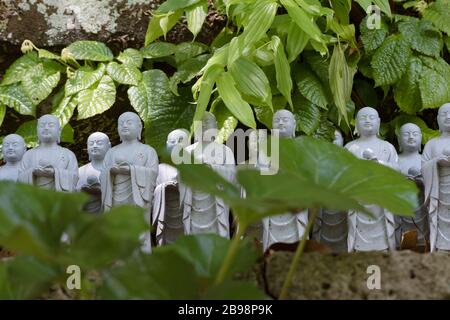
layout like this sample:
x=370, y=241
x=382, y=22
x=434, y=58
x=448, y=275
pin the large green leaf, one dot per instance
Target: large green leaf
x=161, y=110
x=63, y=107
x=188, y=50
x=329, y=177
x=158, y=50
x=195, y=16
x=234, y=101
x=438, y=12
x=83, y=78
x=307, y=115
x=19, y=68
x=124, y=74
x=160, y=24
x=131, y=57
x=407, y=92
x=382, y=4
x=90, y=50
x=97, y=98
x=226, y=122
x=252, y=80
x=390, y=60
x=372, y=38
x=283, y=69
x=296, y=41
x=37, y=84
x=311, y=87
x=423, y=36
x=434, y=89
x=342, y=9
x=187, y=71
x=2, y=113
x=173, y=5
x=14, y=96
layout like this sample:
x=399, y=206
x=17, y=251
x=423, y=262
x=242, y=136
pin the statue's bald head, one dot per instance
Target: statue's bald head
x=129, y=126
x=367, y=122
x=177, y=137
x=13, y=148
x=49, y=129
x=284, y=121
x=443, y=117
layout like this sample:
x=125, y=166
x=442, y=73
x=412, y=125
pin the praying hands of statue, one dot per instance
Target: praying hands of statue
x=368, y=154
x=121, y=167
x=444, y=159
x=92, y=186
x=44, y=169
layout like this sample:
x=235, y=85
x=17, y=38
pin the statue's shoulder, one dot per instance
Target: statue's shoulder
x=148, y=149
x=388, y=145
x=433, y=141
x=69, y=152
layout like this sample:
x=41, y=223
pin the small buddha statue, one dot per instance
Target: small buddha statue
x=13, y=149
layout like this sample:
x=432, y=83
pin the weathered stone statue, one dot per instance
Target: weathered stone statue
x=436, y=177
x=330, y=227
x=13, y=150
x=288, y=227
x=89, y=175
x=205, y=213
x=375, y=233
x=167, y=207
x=409, y=160
x=49, y=165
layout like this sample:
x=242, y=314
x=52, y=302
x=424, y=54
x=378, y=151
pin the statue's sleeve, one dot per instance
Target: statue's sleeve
x=66, y=178
x=393, y=158
x=144, y=177
x=106, y=182
x=26, y=169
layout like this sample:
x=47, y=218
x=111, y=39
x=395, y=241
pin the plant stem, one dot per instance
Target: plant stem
x=298, y=253
x=231, y=254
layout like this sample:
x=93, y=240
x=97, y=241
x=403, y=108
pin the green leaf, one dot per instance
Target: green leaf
x=83, y=78
x=45, y=54
x=160, y=24
x=296, y=41
x=233, y=100
x=63, y=107
x=14, y=96
x=344, y=32
x=2, y=113
x=307, y=115
x=124, y=74
x=342, y=9
x=19, y=68
x=158, y=50
x=37, y=84
x=311, y=87
x=187, y=71
x=341, y=81
x=438, y=12
x=372, y=38
x=390, y=60
x=303, y=20
x=131, y=57
x=382, y=4
x=195, y=16
x=407, y=92
x=90, y=50
x=434, y=89
x=283, y=69
x=423, y=37
x=325, y=131
x=187, y=50
x=252, y=80
x=173, y=5
x=161, y=110
x=320, y=65
x=226, y=123
x=97, y=98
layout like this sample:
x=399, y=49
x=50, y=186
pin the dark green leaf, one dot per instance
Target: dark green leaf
x=90, y=50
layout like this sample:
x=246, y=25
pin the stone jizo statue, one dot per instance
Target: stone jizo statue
x=205, y=213
x=49, y=165
x=436, y=178
x=167, y=207
x=288, y=227
x=409, y=160
x=89, y=175
x=13, y=149
x=375, y=233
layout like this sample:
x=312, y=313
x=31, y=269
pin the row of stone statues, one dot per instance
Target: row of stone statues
x=130, y=173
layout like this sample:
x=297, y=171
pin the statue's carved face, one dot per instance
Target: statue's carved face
x=410, y=137
x=48, y=129
x=177, y=137
x=338, y=139
x=367, y=122
x=13, y=148
x=284, y=121
x=129, y=126
x=98, y=144
x=443, y=118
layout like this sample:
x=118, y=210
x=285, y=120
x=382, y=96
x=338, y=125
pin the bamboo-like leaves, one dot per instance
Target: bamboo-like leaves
x=283, y=70
x=195, y=16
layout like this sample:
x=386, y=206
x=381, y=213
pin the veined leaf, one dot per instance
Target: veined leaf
x=438, y=12
x=90, y=50
x=283, y=69
x=390, y=60
x=188, y=50
x=45, y=54
x=158, y=50
x=296, y=41
x=160, y=24
x=345, y=32
x=434, y=89
x=382, y=4
x=307, y=115
x=252, y=80
x=64, y=107
x=2, y=113
x=96, y=99
x=407, y=92
x=342, y=9
x=341, y=81
x=195, y=16
x=19, y=68
x=311, y=87
x=14, y=96
x=233, y=100
x=187, y=71
x=423, y=37
x=372, y=38
x=37, y=84
x=83, y=78
x=131, y=57
x=123, y=73
x=173, y=5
